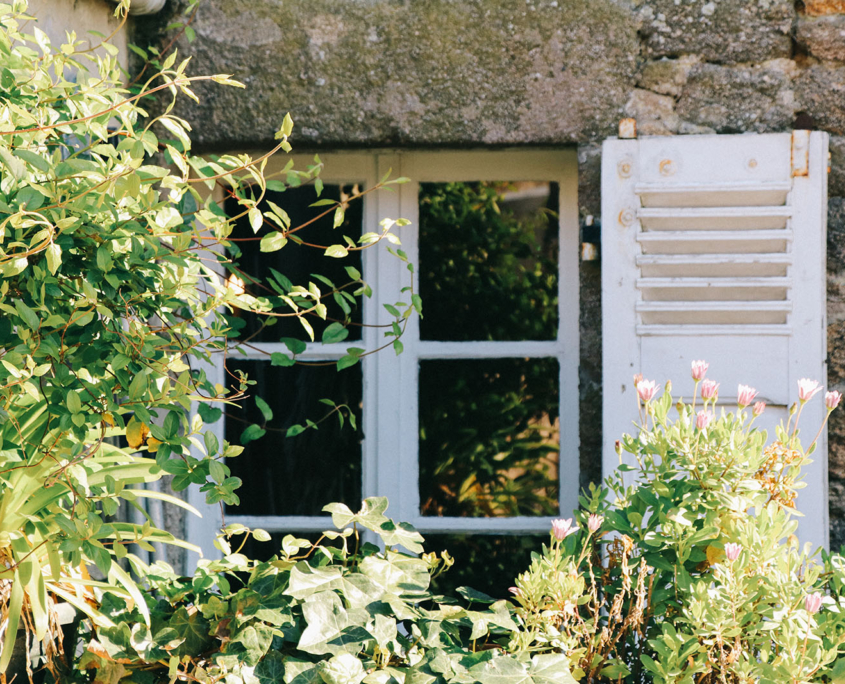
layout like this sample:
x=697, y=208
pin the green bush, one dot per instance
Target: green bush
x=685, y=566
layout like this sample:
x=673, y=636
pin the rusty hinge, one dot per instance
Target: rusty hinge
x=800, y=153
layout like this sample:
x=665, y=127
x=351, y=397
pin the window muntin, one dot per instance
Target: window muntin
x=390, y=408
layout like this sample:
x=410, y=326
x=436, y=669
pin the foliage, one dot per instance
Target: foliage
x=339, y=612
x=112, y=257
x=691, y=572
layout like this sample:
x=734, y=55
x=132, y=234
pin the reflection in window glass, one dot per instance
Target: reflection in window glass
x=296, y=475
x=297, y=262
x=487, y=563
x=489, y=437
x=488, y=256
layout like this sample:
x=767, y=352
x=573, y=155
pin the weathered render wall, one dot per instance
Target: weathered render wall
x=468, y=73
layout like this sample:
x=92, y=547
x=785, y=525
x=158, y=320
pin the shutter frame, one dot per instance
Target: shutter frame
x=714, y=246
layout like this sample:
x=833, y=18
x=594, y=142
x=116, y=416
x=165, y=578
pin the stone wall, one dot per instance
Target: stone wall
x=461, y=73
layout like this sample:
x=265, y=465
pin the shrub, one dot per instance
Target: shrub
x=112, y=291
x=340, y=611
x=685, y=567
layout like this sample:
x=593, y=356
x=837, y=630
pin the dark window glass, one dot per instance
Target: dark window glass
x=488, y=563
x=297, y=262
x=488, y=261
x=263, y=551
x=489, y=437
x=296, y=475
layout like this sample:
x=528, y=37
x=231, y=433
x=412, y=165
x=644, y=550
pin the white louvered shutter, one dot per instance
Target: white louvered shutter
x=713, y=247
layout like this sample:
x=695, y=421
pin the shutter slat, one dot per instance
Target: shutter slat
x=715, y=242
x=713, y=265
x=715, y=331
x=713, y=194
x=714, y=289
x=714, y=218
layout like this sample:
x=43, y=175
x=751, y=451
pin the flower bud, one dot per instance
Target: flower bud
x=709, y=390
x=646, y=390
x=703, y=418
x=561, y=528
x=699, y=368
x=732, y=551
x=832, y=399
x=807, y=389
x=813, y=603
x=759, y=407
x=745, y=395
x=594, y=522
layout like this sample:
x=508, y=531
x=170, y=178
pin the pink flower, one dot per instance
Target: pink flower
x=832, y=399
x=759, y=407
x=699, y=368
x=813, y=603
x=709, y=389
x=594, y=522
x=745, y=395
x=514, y=590
x=732, y=551
x=646, y=389
x=807, y=389
x=561, y=528
x=702, y=419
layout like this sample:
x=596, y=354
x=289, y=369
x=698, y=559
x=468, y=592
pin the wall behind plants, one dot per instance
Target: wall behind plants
x=444, y=73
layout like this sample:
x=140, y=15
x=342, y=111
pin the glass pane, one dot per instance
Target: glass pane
x=488, y=261
x=298, y=262
x=489, y=437
x=488, y=563
x=296, y=475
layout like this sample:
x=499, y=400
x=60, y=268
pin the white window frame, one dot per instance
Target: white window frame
x=390, y=421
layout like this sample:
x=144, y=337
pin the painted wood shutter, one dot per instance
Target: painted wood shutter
x=713, y=247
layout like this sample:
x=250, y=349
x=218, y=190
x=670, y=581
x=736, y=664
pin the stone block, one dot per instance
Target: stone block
x=823, y=37
x=739, y=99
x=667, y=76
x=822, y=7
x=433, y=72
x=655, y=114
x=717, y=30
x=820, y=91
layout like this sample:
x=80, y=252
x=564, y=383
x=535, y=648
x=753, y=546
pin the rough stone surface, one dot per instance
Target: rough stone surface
x=822, y=7
x=820, y=91
x=589, y=180
x=667, y=76
x=836, y=179
x=836, y=365
x=717, y=30
x=823, y=37
x=655, y=114
x=738, y=99
x=396, y=73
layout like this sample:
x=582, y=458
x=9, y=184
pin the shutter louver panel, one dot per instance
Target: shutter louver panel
x=713, y=248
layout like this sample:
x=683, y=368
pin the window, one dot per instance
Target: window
x=472, y=432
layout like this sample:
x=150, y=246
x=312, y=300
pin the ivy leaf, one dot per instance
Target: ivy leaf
x=299, y=672
x=344, y=668
x=402, y=534
x=271, y=669
x=193, y=629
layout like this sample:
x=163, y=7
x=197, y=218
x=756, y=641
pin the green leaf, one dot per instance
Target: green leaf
x=35, y=160
x=273, y=242
x=336, y=251
x=28, y=315
x=300, y=672
x=74, y=403
x=252, y=433
x=343, y=668
x=338, y=217
x=335, y=332
x=193, y=628
x=15, y=165
x=54, y=257
x=346, y=361
x=265, y=409
x=271, y=669
x=212, y=444
x=279, y=359
x=295, y=346
x=402, y=534
x=256, y=219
